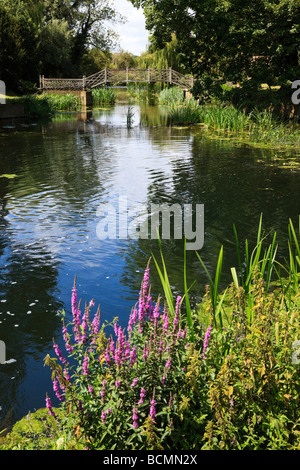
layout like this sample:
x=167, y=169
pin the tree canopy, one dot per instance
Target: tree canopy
x=52, y=37
x=230, y=39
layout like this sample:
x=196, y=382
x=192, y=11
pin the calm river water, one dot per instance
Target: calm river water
x=48, y=218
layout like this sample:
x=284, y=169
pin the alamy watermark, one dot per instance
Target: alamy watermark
x=296, y=94
x=165, y=221
x=2, y=92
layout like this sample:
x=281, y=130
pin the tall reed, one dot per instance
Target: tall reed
x=103, y=96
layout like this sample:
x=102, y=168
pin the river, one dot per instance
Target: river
x=66, y=170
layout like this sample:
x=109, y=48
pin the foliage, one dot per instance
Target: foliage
x=122, y=59
x=103, y=96
x=171, y=96
x=52, y=38
x=162, y=58
x=131, y=392
x=36, y=431
x=230, y=39
x=46, y=105
x=234, y=386
x=17, y=46
x=256, y=127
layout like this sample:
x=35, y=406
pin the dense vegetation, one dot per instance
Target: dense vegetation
x=223, y=377
x=61, y=39
x=230, y=40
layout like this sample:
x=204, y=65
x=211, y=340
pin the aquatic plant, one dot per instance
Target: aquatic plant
x=171, y=96
x=103, y=96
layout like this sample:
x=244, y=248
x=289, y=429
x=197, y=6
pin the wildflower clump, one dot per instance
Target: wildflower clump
x=125, y=387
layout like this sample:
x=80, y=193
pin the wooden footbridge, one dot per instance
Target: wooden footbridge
x=117, y=77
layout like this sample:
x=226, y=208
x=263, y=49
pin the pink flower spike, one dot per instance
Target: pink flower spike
x=134, y=382
x=152, y=409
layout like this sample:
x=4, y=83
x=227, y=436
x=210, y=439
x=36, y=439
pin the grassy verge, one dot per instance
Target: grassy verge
x=223, y=377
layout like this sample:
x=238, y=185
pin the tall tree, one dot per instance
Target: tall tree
x=87, y=20
x=231, y=39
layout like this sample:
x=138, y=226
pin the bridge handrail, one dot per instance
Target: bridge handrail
x=117, y=76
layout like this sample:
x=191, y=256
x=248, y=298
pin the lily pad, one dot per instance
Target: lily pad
x=8, y=176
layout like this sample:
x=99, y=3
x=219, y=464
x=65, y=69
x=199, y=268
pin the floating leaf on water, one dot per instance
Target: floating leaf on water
x=8, y=176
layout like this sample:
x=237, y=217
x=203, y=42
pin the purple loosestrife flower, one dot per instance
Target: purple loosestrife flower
x=66, y=375
x=135, y=418
x=145, y=352
x=69, y=348
x=146, y=280
x=85, y=365
x=134, y=382
x=177, y=308
x=59, y=354
x=91, y=390
x=57, y=391
x=74, y=299
x=152, y=409
x=111, y=345
x=206, y=341
x=49, y=406
x=117, y=357
x=96, y=323
x=142, y=396
x=107, y=357
x=132, y=319
x=168, y=364
x=149, y=306
x=102, y=394
x=117, y=383
x=84, y=326
x=132, y=357
x=165, y=318
x=103, y=417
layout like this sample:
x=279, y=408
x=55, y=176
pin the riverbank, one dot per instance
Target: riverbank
x=226, y=380
x=257, y=128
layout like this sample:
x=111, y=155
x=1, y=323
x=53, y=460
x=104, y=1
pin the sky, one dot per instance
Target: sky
x=133, y=35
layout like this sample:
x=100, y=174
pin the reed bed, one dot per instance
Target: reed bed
x=103, y=96
x=257, y=127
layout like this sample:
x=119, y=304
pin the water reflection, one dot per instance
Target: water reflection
x=48, y=217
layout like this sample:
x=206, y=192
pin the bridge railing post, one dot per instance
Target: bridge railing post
x=170, y=75
x=84, y=82
x=105, y=75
